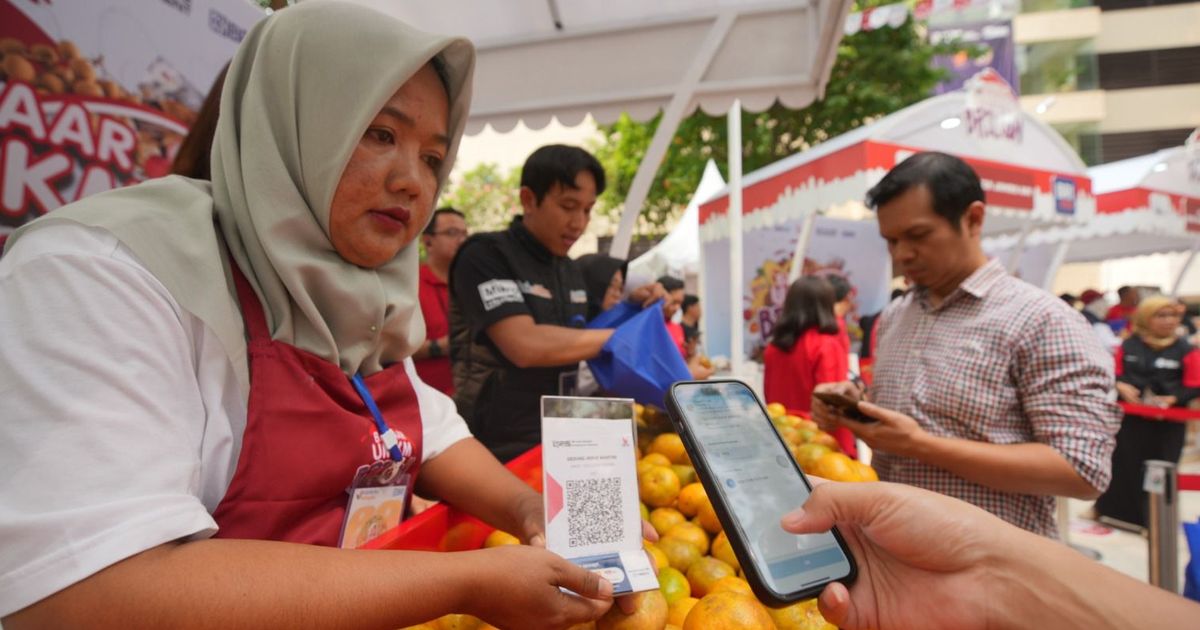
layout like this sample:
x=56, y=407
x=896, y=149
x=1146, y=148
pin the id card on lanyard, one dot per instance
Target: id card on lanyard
x=379, y=491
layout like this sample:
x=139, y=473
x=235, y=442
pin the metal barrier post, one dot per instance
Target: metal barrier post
x=1160, y=483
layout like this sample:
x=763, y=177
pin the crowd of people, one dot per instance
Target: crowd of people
x=198, y=373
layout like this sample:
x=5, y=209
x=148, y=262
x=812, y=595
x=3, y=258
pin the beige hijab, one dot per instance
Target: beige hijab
x=299, y=95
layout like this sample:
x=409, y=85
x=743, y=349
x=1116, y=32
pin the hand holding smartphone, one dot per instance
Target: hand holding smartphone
x=844, y=405
x=752, y=480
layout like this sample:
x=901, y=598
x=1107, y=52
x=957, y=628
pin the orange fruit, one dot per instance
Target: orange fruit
x=707, y=516
x=865, y=472
x=654, y=459
x=705, y=572
x=673, y=584
x=807, y=455
x=828, y=440
x=459, y=622
x=690, y=532
x=686, y=474
x=460, y=537
x=650, y=613
x=836, y=466
x=680, y=553
x=728, y=611
x=671, y=445
x=645, y=512
x=678, y=612
x=690, y=499
x=657, y=555
x=731, y=583
x=791, y=435
x=799, y=616
x=663, y=519
x=500, y=538
x=658, y=486
x=776, y=410
x=722, y=550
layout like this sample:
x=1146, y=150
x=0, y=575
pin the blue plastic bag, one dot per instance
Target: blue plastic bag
x=1191, y=578
x=640, y=361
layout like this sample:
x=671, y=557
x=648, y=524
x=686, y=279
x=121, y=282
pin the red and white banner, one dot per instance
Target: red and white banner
x=96, y=95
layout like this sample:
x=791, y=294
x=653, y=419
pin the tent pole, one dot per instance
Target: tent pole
x=1184, y=269
x=737, y=348
x=806, y=230
x=671, y=117
x=1014, y=259
x=1060, y=254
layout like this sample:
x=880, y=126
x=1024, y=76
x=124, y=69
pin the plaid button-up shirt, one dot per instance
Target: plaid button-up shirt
x=998, y=361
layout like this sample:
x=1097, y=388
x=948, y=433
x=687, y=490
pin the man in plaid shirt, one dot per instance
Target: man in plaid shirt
x=985, y=388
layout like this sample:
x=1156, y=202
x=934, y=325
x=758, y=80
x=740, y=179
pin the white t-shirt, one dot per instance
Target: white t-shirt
x=120, y=414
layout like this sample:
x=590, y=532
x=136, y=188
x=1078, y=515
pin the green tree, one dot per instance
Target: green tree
x=875, y=73
x=487, y=197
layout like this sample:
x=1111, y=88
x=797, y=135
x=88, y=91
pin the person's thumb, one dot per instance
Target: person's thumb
x=835, y=604
x=831, y=503
x=872, y=410
x=595, y=594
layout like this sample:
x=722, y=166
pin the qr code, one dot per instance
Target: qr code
x=593, y=511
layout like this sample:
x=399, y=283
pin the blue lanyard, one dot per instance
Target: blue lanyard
x=385, y=432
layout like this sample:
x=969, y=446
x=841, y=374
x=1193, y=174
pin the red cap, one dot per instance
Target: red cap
x=1089, y=296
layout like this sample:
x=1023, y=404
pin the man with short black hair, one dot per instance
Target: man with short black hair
x=518, y=304
x=442, y=237
x=985, y=387
x=689, y=316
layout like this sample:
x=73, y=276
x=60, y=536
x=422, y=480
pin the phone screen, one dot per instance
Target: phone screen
x=760, y=483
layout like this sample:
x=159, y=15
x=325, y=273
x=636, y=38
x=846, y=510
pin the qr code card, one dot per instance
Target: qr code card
x=590, y=489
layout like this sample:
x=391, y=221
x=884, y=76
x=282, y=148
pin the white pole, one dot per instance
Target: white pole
x=1014, y=259
x=1184, y=269
x=1060, y=254
x=737, y=349
x=806, y=230
x=673, y=114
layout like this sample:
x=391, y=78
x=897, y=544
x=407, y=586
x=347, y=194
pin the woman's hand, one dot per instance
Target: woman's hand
x=1129, y=393
x=519, y=587
x=647, y=294
x=1165, y=401
x=529, y=511
x=913, y=547
x=700, y=372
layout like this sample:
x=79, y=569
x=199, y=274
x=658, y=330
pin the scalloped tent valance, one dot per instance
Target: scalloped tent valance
x=565, y=59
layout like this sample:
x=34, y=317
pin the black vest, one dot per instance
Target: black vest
x=500, y=401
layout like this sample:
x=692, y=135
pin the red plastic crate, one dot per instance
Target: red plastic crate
x=443, y=528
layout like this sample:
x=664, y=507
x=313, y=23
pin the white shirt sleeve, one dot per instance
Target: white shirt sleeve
x=441, y=426
x=103, y=422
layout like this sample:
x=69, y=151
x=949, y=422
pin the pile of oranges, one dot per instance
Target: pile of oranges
x=701, y=584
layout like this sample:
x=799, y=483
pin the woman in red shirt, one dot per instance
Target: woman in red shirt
x=805, y=350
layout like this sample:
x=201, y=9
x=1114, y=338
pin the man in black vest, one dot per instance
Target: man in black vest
x=518, y=304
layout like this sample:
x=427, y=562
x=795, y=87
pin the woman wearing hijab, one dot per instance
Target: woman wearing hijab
x=604, y=277
x=196, y=378
x=1154, y=367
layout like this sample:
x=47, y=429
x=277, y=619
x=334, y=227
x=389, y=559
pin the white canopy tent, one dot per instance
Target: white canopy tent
x=1145, y=205
x=540, y=59
x=1031, y=177
x=678, y=254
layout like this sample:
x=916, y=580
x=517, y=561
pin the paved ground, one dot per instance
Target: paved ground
x=1128, y=552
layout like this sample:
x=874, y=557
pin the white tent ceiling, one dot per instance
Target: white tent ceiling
x=540, y=59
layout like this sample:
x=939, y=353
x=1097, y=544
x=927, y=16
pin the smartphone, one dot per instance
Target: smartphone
x=752, y=481
x=845, y=405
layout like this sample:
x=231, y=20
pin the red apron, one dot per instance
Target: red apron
x=307, y=433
